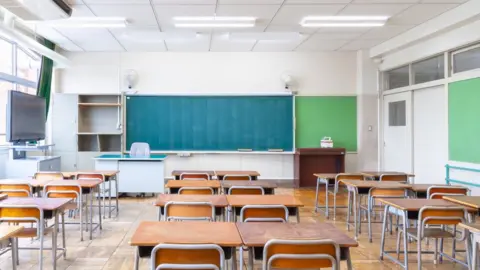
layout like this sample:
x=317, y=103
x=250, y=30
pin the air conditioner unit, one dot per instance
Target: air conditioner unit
x=44, y=10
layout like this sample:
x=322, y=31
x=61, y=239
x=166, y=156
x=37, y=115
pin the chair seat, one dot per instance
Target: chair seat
x=431, y=233
x=31, y=232
x=71, y=206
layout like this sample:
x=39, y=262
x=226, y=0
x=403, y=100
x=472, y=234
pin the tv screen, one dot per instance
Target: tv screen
x=26, y=117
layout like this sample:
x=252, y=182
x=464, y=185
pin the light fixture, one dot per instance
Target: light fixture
x=88, y=22
x=273, y=36
x=214, y=22
x=344, y=21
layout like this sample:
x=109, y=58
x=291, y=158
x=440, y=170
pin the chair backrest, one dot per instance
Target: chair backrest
x=196, y=191
x=16, y=190
x=264, y=213
x=90, y=176
x=437, y=192
x=239, y=177
x=299, y=254
x=21, y=214
x=189, y=211
x=349, y=176
x=194, y=176
x=140, y=149
x=181, y=256
x=440, y=215
x=62, y=191
x=246, y=190
x=380, y=192
x=394, y=178
x=48, y=176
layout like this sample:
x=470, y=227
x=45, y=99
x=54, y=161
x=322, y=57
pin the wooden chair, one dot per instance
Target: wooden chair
x=66, y=190
x=246, y=190
x=437, y=192
x=194, y=176
x=184, y=211
x=196, y=191
x=181, y=256
x=104, y=191
x=237, y=177
x=338, y=178
x=48, y=176
x=376, y=193
x=264, y=213
x=403, y=178
x=435, y=215
x=297, y=254
x=16, y=190
x=34, y=215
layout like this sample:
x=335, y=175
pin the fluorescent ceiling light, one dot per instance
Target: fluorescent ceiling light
x=344, y=21
x=214, y=22
x=88, y=22
x=273, y=36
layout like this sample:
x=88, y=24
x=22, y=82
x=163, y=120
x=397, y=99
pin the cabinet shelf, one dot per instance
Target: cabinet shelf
x=100, y=104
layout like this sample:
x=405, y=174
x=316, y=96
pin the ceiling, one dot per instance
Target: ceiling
x=151, y=16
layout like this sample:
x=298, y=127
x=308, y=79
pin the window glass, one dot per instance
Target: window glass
x=429, y=70
x=4, y=87
x=466, y=60
x=28, y=66
x=6, y=59
x=398, y=77
x=397, y=113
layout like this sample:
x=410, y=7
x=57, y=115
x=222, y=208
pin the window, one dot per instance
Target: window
x=6, y=57
x=466, y=60
x=28, y=65
x=398, y=77
x=429, y=70
x=397, y=113
x=4, y=87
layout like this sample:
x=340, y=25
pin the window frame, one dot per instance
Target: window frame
x=412, y=73
x=461, y=50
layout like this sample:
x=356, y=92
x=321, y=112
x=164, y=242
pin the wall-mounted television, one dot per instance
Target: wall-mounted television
x=26, y=117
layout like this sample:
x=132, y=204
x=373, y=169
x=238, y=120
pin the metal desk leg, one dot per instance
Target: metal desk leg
x=474, y=253
x=234, y=258
x=405, y=238
x=99, y=210
x=384, y=228
x=349, y=260
x=116, y=194
x=109, y=199
x=348, y=208
x=250, y=258
x=326, y=198
x=91, y=214
x=54, y=240
x=159, y=215
x=316, y=195
x=13, y=243
x=355, y=203
x=136, y=258
x=298, y=215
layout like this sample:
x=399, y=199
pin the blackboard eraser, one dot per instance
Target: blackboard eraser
x=244, y=150
x=275, y=150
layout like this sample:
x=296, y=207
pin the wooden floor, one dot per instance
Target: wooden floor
x=110, y=249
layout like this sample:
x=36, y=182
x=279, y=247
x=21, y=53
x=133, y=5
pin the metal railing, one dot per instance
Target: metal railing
x=456, y=181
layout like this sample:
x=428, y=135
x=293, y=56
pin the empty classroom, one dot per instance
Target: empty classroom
x=239, y=134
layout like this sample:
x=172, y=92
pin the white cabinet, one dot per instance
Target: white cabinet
x=24, y=168
x=64, y=122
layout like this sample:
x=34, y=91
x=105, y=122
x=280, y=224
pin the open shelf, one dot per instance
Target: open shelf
x=100, y=104
x=110, y=143
x=98, y=119
x=88, y=143
x=99, y=99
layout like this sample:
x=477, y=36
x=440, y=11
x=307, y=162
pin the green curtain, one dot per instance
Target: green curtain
x=45, y=81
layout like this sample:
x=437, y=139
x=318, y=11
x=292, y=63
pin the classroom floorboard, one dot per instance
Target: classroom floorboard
x=110, y=250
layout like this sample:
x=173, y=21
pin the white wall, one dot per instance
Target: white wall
x=331, y=73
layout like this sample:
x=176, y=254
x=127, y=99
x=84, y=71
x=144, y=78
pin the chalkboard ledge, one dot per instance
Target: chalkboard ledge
x=225, y=152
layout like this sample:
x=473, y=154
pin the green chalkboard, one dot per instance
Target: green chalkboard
x=464, y=121
x=210, y=123
x=317, y=117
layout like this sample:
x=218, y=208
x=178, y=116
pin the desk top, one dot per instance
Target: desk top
x=417, y=204
x=258, y=233
x=250, y=173
x=8, y=231
x=192, y=183
x=216, y=200
x=424, y=187
x=256, y=183
x=472, y=227
x=128, y=157
x=151, y=233
x=179, y=172
x=379, y=173
x=242, y=200
x=325, y=175
x=106, y=173
x=26, y=181
x=373, y=184
x=42, y=203
x=470, y=201
x=82, y=183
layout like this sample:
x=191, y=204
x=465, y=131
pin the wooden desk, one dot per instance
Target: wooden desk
x=27, y=181
x=177, y=173
x=150, y=233
x=290, y=201
x=420, y=190
x=7, y=235
x=253, y=174
x=45, y=204
x=408, y=209
x=219, y=201
x=468, y=201
x=326, y=179
x=174, y=185
x=256, y=234
x=268, y=185
x=472, y=229
x=377, y=174
x=107, y=174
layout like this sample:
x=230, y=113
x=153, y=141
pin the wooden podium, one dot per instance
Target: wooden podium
x=317, y=160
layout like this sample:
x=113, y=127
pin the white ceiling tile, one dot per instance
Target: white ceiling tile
x=131, y=46
x=360, y=44
x=81, y=11
x=386, y=32
x=221, y=43
x=336, y=35
x=69, y=47
x=200, y=44
x=75, y=2
x=293, y=14
x=135, y=14
x=92, y=39
x=166, y=13
x=275, y=46
x=374, y=9
x=290, y=28
x=317, y=2
x=184, y=2
x=385, y=1
x=116, y=2
x=315, y=44
x=420, y=13
x=250, y=2
x=443, y=1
